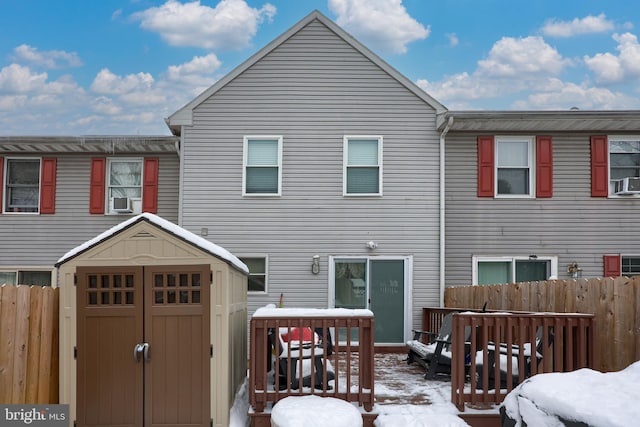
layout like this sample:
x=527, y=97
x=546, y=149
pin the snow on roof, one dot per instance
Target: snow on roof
x=168, y=226
x=272, y=311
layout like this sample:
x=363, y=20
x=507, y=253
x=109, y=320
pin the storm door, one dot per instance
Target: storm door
x=143, y=346
x=378, y=284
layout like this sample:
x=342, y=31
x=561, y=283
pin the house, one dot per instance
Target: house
x=538, y=194
x=58, y=192
x=317, y=164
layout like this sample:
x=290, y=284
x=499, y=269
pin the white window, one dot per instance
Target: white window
x=362, y=166
x=22, y=185
x=624, y=165
x=26, y=276
x=257, y=280
x=262, y=171
x=630, y=265
x=513, y=269
x=514, y=166
x=124, y=185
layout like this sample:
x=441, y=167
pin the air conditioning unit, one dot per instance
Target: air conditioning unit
x=629, y=185
x=122, y=205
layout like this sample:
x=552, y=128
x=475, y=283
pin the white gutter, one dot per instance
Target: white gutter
x=442, y=195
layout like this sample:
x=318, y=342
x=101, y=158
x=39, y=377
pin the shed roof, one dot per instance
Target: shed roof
x=184, y=115
x=167, y=226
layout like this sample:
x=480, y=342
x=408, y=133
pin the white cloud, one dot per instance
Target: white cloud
x=48, y=59
x=16, y=78
x=587, y=25
x=382, y=24
x=453, y=39
x=609, y=68
x=510, y=57
x=230, y=25
x=108, y=83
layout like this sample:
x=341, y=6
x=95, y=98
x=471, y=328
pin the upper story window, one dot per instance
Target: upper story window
x=630, y=265
x=124, y=185
x=22, y=185
x=362, y=165
x=257, y=280
x=262, y=174
x=514, y=166
x=624, y=165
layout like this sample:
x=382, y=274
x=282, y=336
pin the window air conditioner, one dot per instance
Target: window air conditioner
x=629, y=185
x=122, y=205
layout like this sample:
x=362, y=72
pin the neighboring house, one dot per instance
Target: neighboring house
x=317, y=164
x=536, y=194
x=57, y=192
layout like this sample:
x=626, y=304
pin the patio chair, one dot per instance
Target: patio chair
x=301, y=353
x=528, y=357
x=436, y=355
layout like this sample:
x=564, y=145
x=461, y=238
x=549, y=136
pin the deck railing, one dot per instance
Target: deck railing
x=528, y=343
x=350, y=360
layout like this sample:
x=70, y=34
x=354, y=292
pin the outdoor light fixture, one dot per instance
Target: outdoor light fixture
x=574, y=270
x=315, y=264
x=371, y=244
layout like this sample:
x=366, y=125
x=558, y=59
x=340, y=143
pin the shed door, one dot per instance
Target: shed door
x=119, y=310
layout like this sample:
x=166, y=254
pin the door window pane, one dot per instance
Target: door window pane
x=387, y=299
x=41, y=278
x=351, y=284
x=531, y=271
x=7, y=278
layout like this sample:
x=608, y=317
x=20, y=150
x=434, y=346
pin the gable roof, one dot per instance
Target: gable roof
x=184, y=115
x=171, y=228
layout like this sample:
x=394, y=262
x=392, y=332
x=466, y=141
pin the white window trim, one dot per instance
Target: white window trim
x=19, y=268
x=481, y=258
x=610, y=138
x=345, y=157
x=532, y=166
x=5, y=183
x=266, y=272
x=136, y=202
x=245, y=155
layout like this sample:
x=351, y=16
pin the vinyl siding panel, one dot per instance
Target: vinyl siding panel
x=313, y=90
x=40, y=240
x=571, y=225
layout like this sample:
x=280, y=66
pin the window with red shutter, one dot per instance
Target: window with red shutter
x=599, y=166
x=544, y=166
x=612, y=265
x=486, y=167
x=1, y=182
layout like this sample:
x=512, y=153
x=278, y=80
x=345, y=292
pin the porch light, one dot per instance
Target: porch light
x=315, y=264
x=574, y=270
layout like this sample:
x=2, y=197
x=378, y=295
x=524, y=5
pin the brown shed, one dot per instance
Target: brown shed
x=153, y=327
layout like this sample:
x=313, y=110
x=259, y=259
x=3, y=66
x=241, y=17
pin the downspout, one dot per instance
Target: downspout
x=442, y=196
x=179, y=148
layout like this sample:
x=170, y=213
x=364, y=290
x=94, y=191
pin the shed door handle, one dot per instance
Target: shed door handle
x=139, y=348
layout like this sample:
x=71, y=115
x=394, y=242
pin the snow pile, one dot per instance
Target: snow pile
x=594, y=398
x=315, y=411
x=417, y=416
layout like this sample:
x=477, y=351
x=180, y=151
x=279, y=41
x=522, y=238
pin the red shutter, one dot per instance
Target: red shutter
x=96, y=191
x=486, y=167
x=544, y=166
x=48, y=186
x=1, y=181
x=150, y=185
x=599, y=166
x=612, y=265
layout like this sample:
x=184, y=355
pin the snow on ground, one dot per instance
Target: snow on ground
x=595, y=398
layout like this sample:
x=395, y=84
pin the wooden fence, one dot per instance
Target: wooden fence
x=615, y=302
x=28, y=344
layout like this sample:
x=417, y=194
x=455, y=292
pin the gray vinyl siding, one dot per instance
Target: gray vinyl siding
x=40, y=240
x=571, y=225
x=313, y=90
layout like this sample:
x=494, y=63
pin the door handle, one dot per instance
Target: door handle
x=139, y=348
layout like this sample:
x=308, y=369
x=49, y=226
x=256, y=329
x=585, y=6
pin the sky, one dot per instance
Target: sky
x=120, y=67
